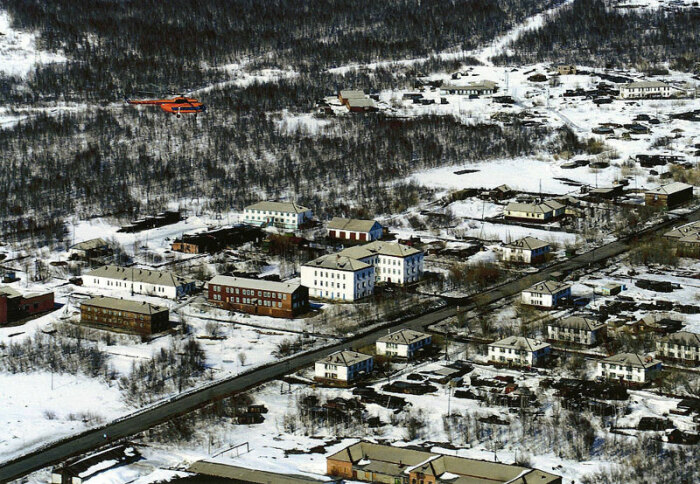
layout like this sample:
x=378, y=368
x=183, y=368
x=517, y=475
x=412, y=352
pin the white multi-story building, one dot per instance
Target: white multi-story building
x=338, y=278
x=546, y=294
x=642, y=89
x=139, y=281
x=354, y=229
x=287, y=215
x=343, y=367
x=535, y=212
x=681, y=346
x=628, y=367
x=576, y=329
x=519, y=351
x=528, y=250
x=395, y=263
x=403, y=343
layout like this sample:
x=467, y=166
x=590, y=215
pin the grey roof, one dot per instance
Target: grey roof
x=138, y=307
x=352, y=224
x=520, y=343
x=243, y=474
x=544, y=207
x=690, y=239
x=578, y=323
x=643, y=84
x=10, y=291
x=378, y=247
x=89, y=244
x=352, y=94
x=287, y=207
x=357, y=102
x=547, y=287
x=477, y=86
x=257, y=284
x=671, y=188
x=684, y=338
x=337, y=262
x=345, y=358
x=404, y=337
x=135, y=274
x=684, y=230
x=529, y=243
x=631, y=359
x=398, y=461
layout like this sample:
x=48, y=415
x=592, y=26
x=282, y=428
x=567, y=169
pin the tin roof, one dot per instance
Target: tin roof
x=286, y=207
x=378, y=247
x=529, y=243
x=135, y=274
x=337, y=262
x=520, y=343
x=89, y=244
x=345, y=358
x=544, y=207
x=547, y=287
x=578, y=323
x=631, y=359
x=138, y=307
x=670, y=188
x=404, y=337
x=352, y=224
x=257, y=284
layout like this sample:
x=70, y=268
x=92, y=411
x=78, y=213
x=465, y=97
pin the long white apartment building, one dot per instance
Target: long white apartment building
x=338, y=278
x=395, y=263
x=139, y=281
x=629, y=367
x=519, y=351
x=643, y=89
x=287, y=215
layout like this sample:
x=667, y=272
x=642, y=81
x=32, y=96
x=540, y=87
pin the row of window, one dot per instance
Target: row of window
x=110, y=312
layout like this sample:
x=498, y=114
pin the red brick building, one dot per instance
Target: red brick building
x=14, y=306
x=255, y=296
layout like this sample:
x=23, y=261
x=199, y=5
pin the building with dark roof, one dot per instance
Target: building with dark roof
x=519, y=351
x=527, y=250
x=343, y=367
x=576, y=329
x=125, y=315
x=258, y=296
x=629, y=368
x=682, y=346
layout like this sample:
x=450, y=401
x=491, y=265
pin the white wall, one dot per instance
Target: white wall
x=578, y=336
x=615, y=372
x=290, y=220
x=338, y=285
x=169, y=292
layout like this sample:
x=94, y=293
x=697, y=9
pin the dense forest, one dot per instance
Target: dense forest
x=591, y=32
x=121, y=47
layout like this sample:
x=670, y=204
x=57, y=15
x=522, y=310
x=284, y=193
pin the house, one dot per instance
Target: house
x=344, y=96
x=609, y=289
x=669, y=196
x=393, y=263
x=678, y=233
x=15, y=306
x=286, y=215
x=682, y=346
x=212, y=241
x=519, y=351
x=546, y=294
x=663, y=323
x=370, y=462
x=528, y=250
x=140, y=281
x=361, y=105
x=228, y=472
x=566, y=69
x=689, y=246
x=501, y=192
x=354, y=229
x=642, y=89
x=576, y=329
x=629, y=368
x=138, y=317
x=257, y=296
x=548, y=211
x=403, y=343
x=338, y=278
x=473, y=88
x=343, y=367
x=89, y=249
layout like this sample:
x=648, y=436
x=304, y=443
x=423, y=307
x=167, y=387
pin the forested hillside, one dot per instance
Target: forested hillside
x=590, y=32
x=122, y=47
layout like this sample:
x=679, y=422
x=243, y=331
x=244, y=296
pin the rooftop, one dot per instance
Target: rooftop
x=529, y=243
x=257, y=284
x=578, y=323
x=379, y=248
x=361, y=102
x=404, y=336
x=287, y=207
x=632, y=359
x=644, y=84
x=352, y=224
x=244, y=474
x=162, y=278
x=520, y=343
x=337, y=262
x=548, y=287
x=345, y=358
x=138, y=307
x=685, y=338
x=352, y=94
x=671, y=188
x=89, y=244
x=544, y=207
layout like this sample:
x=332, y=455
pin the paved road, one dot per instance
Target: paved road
x=90, y=440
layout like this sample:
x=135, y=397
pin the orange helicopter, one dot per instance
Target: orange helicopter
x=177, y=106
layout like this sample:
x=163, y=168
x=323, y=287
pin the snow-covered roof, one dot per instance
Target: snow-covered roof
x=404, y=337
x=520, y=343
x=89, y=244
x=578, y=323
x=631, y=359
x=257, y=284
x=379, y=248
x=285, y=207
x=529, y=243
x=138, y=307
x=352, y=224
x=337, y=262
x=670, y=189
x=544, y=207
x=147, y=276
x=644, y=84
x=345, y=358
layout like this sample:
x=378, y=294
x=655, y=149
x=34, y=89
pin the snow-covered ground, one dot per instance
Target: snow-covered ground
x=18, y=50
